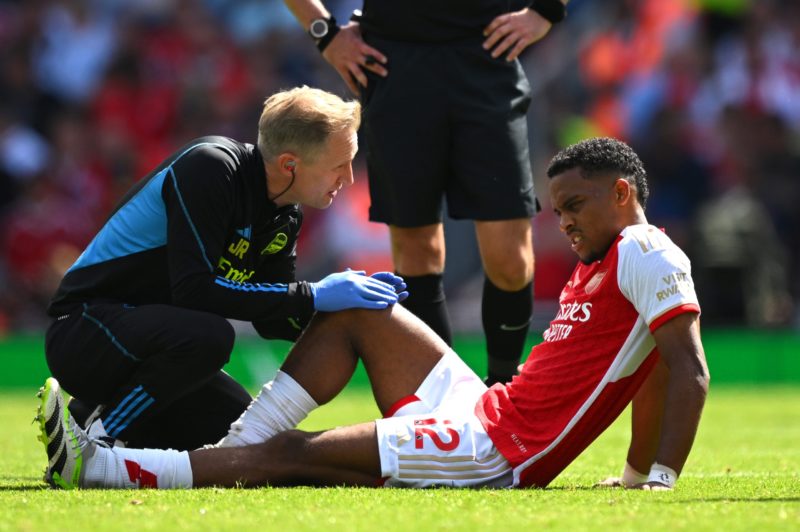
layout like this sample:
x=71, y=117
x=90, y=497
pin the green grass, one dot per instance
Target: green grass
x=744, y=474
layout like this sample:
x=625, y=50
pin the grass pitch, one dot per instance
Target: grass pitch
x=744, y=474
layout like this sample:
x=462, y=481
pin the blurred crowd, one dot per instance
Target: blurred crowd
x=94, y=93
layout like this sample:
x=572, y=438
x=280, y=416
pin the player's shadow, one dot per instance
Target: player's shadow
x=24, y=483
x=578, y=488
x=754, y=498
x=25, y=487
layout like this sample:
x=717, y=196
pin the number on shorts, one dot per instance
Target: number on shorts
x=419, y=430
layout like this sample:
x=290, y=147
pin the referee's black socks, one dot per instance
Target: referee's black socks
x=426, y=300
x=506, y=318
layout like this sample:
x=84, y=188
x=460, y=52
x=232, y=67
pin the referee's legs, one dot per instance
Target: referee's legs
x=140, y=362
x=506, y=248
x=418, y=254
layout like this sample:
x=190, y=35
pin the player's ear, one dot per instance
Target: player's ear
x=623, y=191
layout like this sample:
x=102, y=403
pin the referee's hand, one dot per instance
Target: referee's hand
x=349, y=55
x=513, y=32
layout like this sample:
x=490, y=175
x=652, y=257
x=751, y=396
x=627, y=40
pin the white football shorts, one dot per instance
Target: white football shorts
x=435, y=439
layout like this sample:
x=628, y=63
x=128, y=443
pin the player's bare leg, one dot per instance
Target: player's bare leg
x=398, y=351
x=343, y=456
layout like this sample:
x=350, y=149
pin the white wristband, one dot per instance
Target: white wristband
x=663, y=474
x=631, y=477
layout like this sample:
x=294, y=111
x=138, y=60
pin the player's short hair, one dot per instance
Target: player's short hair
x=300, y=120
x=603, y=156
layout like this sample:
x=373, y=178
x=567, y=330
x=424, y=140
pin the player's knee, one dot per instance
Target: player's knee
x=359, y=318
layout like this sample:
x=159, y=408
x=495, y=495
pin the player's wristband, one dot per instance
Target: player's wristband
x=554, y=11
x=631, y=477
x=663, y=474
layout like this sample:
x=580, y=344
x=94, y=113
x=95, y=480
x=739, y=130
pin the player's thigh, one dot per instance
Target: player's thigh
x=506, y=248
x=450, y=384
x=440, y=449
x=341, y=456
x=490, y=156
x=398, y=351
x=405, y=135
x=353, y=447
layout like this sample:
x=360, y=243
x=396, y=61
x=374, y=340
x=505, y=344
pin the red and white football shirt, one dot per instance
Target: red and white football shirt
x=595, y=355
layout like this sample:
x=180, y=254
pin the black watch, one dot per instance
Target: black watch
x=554, y=11
x=323, y=30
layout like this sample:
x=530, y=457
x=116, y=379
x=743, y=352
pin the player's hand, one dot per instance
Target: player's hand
x=610, y=482
x=513, y=32
x=349, y=55
x=351, y=289
x=651, y=486
x=395, y=280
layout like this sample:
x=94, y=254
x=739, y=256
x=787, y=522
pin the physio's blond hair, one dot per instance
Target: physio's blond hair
x=300, y=121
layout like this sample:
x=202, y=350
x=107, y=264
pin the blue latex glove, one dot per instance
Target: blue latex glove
x=351, y=289
x=395, y=280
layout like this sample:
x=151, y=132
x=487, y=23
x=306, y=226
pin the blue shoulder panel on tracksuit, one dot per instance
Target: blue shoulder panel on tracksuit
x=139, y=225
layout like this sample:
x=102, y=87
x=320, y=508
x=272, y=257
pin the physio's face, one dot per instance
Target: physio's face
x=320, y=181
x=589, y=211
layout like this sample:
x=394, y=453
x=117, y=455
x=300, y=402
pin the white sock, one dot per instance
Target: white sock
x=97, y=431
x=281, y=405
x=137, y=468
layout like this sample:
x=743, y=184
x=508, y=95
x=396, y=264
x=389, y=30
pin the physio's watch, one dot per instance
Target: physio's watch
x=323, y=30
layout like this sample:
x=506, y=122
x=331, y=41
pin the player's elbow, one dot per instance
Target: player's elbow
x=698, y=384
x=704, y=380
x=692, y=379
x=702, y=376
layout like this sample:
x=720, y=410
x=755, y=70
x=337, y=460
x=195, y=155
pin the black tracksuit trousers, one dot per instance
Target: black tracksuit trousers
x=156, y=369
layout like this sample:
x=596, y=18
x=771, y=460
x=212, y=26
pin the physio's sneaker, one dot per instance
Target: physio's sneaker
x=66, y=444
x=84, y=412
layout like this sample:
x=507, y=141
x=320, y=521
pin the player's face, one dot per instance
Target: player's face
x=588, y=212
x=320, y=181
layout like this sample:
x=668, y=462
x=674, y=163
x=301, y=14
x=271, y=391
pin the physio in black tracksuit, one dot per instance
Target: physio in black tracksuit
x=445, y=102
x=140, y=318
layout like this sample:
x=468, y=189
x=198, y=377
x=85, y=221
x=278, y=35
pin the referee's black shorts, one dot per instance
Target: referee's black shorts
x=449, y=121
